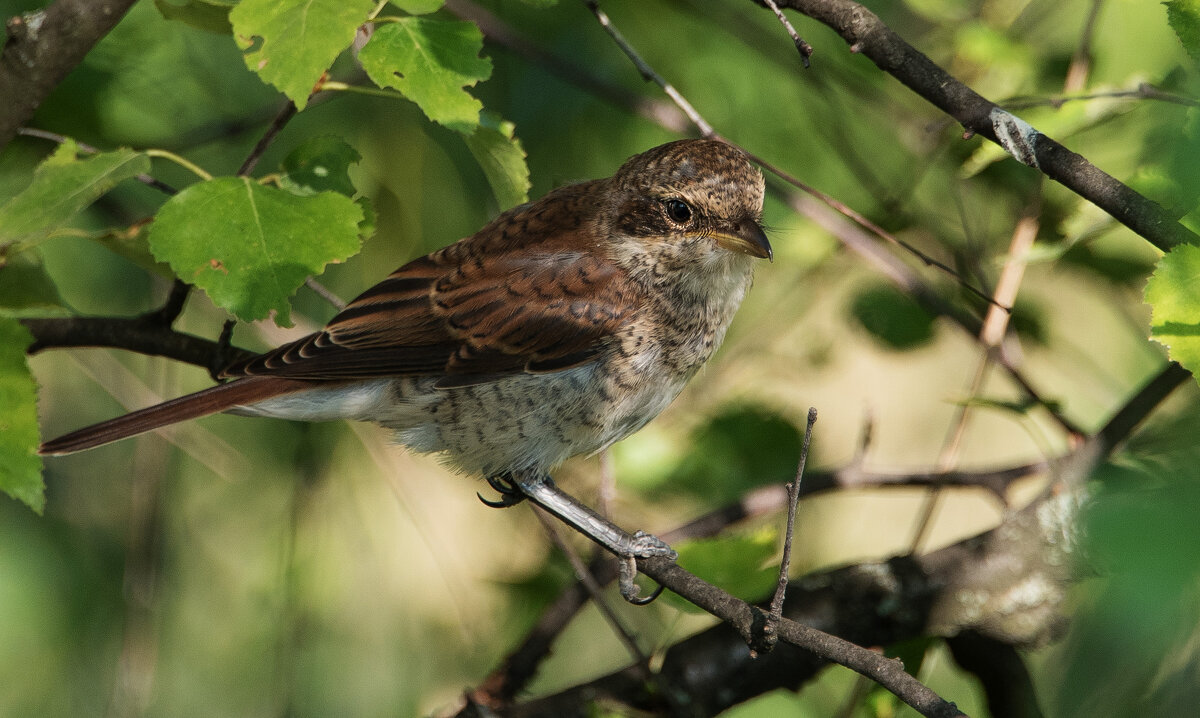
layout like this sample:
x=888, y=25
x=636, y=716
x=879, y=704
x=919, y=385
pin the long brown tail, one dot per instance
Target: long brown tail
x=192, y=406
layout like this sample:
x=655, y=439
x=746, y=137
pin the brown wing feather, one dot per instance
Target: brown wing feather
x=517, y=296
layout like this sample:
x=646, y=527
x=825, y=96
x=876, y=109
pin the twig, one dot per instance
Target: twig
x=991, y=335
x=867, y=34
x=775, y=614
x=648, y=72
x=802, y=47
x=287, y=112
x=144, y=178
x=325, y=293
x=1081, y=60
x=495, y=30
x=594, y=589
x=41, y=50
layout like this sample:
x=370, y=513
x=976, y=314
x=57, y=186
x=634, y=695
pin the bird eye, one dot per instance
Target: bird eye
x=678, y=210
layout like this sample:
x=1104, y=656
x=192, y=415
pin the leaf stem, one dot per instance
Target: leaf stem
x=334, y=85
x=182, y=162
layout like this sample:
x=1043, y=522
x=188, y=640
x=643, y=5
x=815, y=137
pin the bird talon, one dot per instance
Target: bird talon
x=510, y=493
x=629, y=589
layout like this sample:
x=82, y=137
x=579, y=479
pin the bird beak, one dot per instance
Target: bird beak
x=747, y=237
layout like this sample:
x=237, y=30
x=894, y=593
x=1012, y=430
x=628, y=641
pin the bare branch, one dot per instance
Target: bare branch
x=43, y=47
x=869, y=35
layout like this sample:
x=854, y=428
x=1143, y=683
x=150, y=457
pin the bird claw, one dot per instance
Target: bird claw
x=629, y=589
x=510, y=493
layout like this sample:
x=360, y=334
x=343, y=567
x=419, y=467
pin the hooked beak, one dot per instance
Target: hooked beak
x=748, y=238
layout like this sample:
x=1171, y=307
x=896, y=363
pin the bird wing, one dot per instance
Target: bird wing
x=522, y=295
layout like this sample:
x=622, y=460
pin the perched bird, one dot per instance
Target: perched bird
x=559, y=328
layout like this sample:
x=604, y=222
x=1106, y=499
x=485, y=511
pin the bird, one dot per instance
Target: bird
x=562, y=326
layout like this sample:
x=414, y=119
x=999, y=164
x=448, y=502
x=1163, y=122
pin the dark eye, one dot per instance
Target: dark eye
x=678, y=210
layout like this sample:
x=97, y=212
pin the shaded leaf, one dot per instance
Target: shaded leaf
x=20, y=465
x=320, y=164
x=62, y=186
x=249, y=246
x=892, y=318
x=1173, y=293
x=430, y=62
x=291, y=43
x=502, y=158
x=26, y=289
x=207, y=15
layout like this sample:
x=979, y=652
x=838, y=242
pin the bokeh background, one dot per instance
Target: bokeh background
x=250, y=567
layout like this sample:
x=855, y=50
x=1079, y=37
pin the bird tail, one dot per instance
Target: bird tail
x=192, y=406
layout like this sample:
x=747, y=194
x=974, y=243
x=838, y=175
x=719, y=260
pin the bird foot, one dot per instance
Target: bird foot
x=510, y=493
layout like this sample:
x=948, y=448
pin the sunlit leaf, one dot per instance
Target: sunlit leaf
x=430, y=62
x=419, y=7
x=249, y=246
x=739, y=563
x=1173, y=293
x=1184, y=18
x=320, y=164
x=20, y=465
x=62, y=186
x=291, y=43
x=207, y=15
x=502, y=158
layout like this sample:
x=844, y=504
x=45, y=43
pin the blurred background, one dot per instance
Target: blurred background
x=251, y=567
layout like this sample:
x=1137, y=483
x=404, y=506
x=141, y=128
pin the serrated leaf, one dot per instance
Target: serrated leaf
x=430, y=62
x=502, y=158
x=419, y=7
x=26, y=289
x=291, y=43
x=249, y=246
x=62, y=186
x=1184, y=18
x=207, y=15
x=20, y=465
x=738, y=563
x=1173, y=293
x=320, y=164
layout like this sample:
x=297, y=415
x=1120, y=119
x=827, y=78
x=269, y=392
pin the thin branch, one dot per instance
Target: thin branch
x=770, y=632
x=802, y=47
x=495, y=30
x=648, y=72
x=286, y=113
x=41, y=50
x=135, y=334
x=869, y=35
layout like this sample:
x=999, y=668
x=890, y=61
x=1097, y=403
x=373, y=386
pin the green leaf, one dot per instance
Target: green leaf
x=62, y=186
x=502, y=158
x=207, y=15
x=1184, y=18
x=740, y=564
x=1173, y=293
x=892, y=317
x=249, y=246
x=419, y=7
x=320, y=164
x=430, y=62
x=291, y=43
x=20, y=465
x=26, y=289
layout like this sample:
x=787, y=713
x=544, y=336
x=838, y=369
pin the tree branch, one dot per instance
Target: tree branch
x=43, y=47
x=867, y=34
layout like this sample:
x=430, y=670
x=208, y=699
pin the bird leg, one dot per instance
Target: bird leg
x=539, y=488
